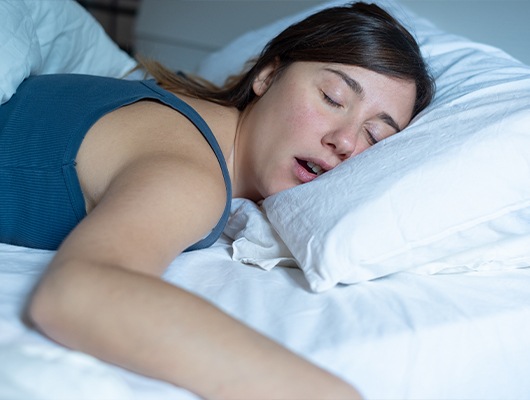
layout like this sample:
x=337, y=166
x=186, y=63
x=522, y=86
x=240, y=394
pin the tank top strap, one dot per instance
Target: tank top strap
x=193, y=116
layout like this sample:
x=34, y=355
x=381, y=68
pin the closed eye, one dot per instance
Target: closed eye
x=371, y=138
x=330, y=101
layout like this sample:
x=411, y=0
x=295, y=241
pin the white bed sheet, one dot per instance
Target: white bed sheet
x=408, y=336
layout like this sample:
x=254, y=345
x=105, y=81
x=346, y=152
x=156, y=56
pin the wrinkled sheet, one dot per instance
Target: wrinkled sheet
x=403, y=336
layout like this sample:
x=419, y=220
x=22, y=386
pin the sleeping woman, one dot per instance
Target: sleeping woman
x=121, y=176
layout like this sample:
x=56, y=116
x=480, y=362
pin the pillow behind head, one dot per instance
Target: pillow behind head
x=53, y=36
x=450, y=192
x=19, y=47
x=71, y=40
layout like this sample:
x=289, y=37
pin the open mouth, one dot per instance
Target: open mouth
x=311, y=167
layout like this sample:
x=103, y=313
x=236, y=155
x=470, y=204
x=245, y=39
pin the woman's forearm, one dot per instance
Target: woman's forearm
x=151, y=327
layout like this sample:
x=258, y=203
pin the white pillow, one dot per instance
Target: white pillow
x=19, y=47
x=450, y=192
x=53, y=36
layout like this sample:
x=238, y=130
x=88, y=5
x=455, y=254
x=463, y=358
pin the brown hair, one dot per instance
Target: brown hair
x=357, y=34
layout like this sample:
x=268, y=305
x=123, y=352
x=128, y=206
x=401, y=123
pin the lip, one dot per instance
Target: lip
x=303, y=174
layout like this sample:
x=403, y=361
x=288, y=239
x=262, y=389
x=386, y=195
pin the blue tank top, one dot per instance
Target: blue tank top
x=41, y=129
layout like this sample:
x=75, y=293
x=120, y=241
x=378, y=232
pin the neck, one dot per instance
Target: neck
x=229, y=128
x=243, y=181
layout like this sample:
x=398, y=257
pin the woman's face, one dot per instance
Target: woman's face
x=313, y=116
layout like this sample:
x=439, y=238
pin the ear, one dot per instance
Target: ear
x=264, y=79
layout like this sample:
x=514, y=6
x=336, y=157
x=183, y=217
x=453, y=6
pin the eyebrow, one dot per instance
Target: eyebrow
x=389, y=121
x=358, y=89
x=352, y=83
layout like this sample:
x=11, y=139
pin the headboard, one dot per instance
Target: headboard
x=180, y=33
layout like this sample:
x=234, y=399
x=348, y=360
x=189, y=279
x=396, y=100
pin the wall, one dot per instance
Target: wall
x=501, y=23
x=117, y=18
x=181, y=32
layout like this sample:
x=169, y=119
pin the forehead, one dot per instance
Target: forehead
x=371, y=79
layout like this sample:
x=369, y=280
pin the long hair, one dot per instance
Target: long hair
x=357, y=34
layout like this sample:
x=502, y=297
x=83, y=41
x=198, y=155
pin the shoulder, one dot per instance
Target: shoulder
x=153, y=184
x=151, y=139
x=155, y=207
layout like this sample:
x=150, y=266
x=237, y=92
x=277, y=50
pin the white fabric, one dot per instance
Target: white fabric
x=462, y=336
x=52, y=36
x=450, y=193
x=19, y=47
x=255, y=241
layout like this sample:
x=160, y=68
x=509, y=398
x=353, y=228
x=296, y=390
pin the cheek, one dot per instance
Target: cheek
x=304, y=119
x=295, y=106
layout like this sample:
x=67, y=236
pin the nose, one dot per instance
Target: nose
x=343, y=143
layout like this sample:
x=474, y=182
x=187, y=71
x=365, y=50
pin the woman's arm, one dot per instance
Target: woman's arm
x=103, y=294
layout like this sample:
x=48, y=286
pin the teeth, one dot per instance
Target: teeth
x=317, y=169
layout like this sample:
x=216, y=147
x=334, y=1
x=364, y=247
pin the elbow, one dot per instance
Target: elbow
x=48, y=307
x=41, y=310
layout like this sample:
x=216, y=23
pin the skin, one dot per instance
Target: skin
x=139, y=168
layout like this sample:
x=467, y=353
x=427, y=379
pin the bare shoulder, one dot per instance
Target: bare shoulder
x=154, y=185
x=136, y=131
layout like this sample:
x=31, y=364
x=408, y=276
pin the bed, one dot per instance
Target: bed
x=404, y=271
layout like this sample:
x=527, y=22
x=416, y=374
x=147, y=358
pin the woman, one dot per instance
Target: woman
x=116, y=176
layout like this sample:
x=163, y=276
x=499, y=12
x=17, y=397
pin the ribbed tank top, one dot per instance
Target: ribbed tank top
x=41, y=129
